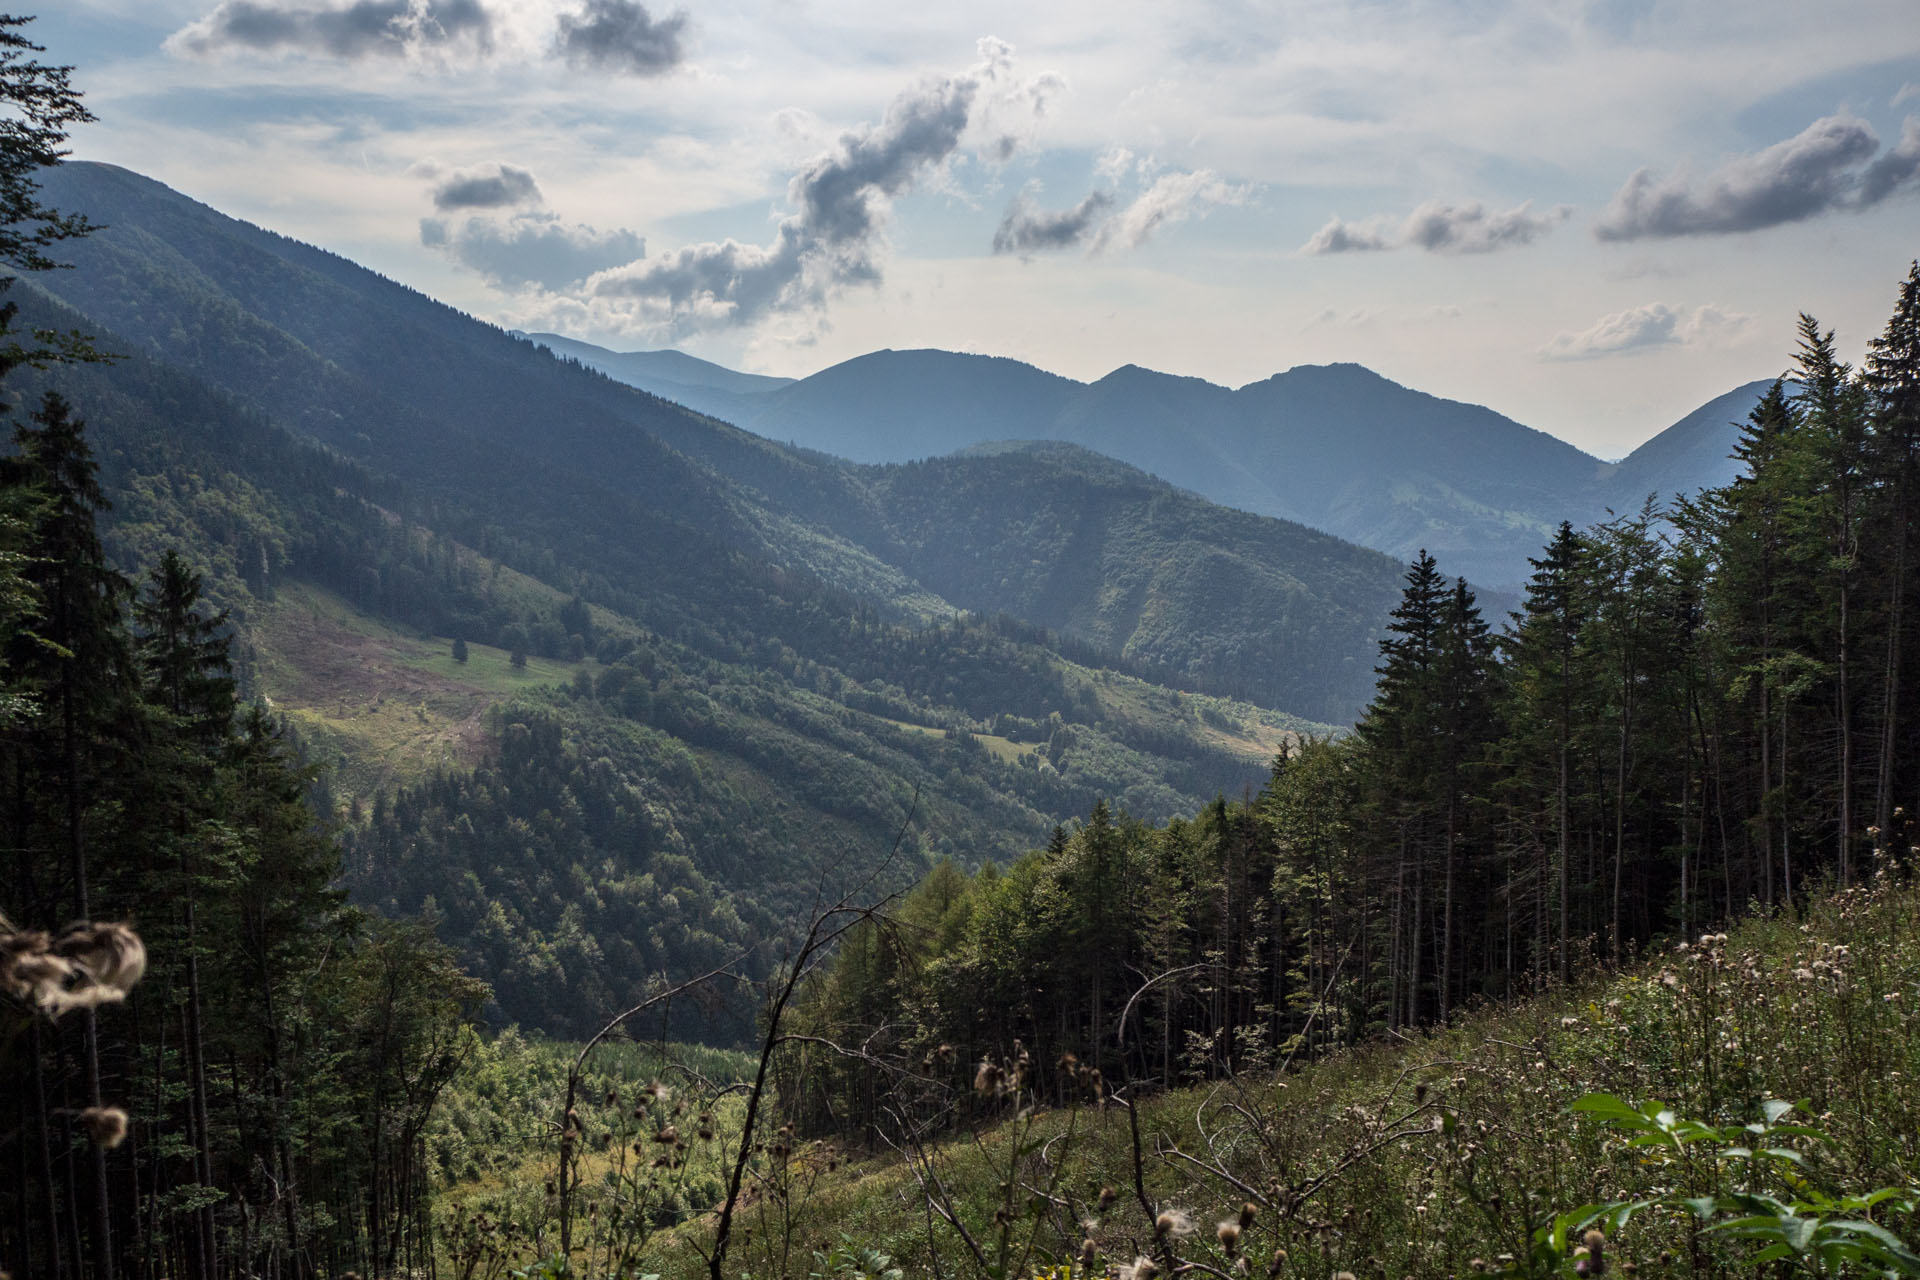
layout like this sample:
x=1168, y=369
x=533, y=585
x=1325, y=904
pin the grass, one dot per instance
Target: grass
x=381, y=706
x=1428, y=1154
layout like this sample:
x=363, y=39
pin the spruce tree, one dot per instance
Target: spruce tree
x=1545, y=691
x=1397, y=733
x=80, y=666
x=1891, y=379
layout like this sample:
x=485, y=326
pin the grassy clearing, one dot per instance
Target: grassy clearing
x=1423, y=1157
x=381, y=706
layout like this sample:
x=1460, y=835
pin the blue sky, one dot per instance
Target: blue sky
x=1592, y=216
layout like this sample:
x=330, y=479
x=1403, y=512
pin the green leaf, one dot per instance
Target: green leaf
x=1610, y=1109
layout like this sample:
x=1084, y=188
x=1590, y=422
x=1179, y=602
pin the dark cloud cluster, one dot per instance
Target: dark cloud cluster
x=1470, y=228
x=835, y=236
x=1026, y=229
x=621, y=36
x=362, y=29
x=496, y=186
x=1439, y=227
x=1827, y=167
x=616, y=36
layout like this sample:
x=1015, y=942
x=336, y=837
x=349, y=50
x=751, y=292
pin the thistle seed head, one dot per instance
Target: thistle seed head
x=107, y=1126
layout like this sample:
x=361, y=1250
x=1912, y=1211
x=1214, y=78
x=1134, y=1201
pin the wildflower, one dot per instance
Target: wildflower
x=1088, y=1252
x=1228, y=1234
x=1107, y=1197
x=1248, y=1212
x=1141, y=1268
x=1172, y=1222
x=107, y=1126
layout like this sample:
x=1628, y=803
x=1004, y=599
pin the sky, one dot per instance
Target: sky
x=1590, y=215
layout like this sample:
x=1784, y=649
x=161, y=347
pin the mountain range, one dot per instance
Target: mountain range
x=701, y=672
x=1335, y=447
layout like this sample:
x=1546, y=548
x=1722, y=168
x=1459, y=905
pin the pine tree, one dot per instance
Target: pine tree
x=1466, y=727
x=80, y=665
x=41, y=105
x=1891, y=379
x=183, y=655
x=1545, y=689
x=1833, y=432
x=1398, y=736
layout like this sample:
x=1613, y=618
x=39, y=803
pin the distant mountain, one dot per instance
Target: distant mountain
x=1092, y=547
x=1336, y=447
x=1694, y=453
x=648, y=369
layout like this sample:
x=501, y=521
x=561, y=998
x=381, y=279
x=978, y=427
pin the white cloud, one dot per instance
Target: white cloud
x=1172, y=199
x=1370, y=235
x=1641, y=328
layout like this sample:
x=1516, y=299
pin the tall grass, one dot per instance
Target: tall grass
x=1439, y=1154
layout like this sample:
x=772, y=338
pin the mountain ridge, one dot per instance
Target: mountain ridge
x=1338, y=447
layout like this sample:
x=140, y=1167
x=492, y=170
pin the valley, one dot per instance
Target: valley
x=995, y=832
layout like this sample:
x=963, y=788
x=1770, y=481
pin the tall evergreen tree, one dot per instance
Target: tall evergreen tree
x=1545, y=690
x=1891, y=380
x=1833, y=432
x=82, y=669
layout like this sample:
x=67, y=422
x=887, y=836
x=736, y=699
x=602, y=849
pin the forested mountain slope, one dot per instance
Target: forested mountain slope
x=1095, y=548
x=544, y=463
x=709, y=735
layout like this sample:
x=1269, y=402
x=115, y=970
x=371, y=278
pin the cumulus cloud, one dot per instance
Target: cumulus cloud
x=1173, y=198
x=509, y=236
x=1823, y=168
x=1340, y=236
x=494, y=186
x=621, y=36
x=835, y=237
x=1439, y=227
x=1641, y=328
x=1895, y=168
x=1026, y=229
x=362, y=29
x=531, y=248
x=1445, y=228
x=1102, y=223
